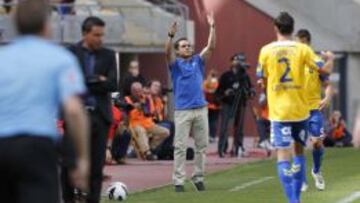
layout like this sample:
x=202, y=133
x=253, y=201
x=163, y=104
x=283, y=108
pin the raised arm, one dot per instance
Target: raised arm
x=329, y=62
x=169, y=43
x=206, y=52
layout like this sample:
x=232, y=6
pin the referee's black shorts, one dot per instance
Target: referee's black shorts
x=28, y=170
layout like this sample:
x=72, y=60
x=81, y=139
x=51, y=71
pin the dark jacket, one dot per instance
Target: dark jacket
x=235, y=82
x=105, y=65
x=129, y=80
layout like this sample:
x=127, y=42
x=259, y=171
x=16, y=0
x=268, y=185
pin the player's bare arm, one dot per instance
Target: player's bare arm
x=206, y=52
x=169, y=42
x=78, y=126
x=328, y=95
x=329, y=58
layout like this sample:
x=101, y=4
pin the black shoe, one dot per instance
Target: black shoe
x=199, y=186
x=179, y=188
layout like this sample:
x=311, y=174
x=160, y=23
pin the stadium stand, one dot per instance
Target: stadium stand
x=132, y=24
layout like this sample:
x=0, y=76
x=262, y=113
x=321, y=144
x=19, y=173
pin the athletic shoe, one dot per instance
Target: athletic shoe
x=304, y=187
x=319, y=180
x=242, y=153
x=269, y=146
x=266, y=145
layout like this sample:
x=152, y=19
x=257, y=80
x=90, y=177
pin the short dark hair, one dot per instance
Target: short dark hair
x=285, y=23
x=177, y=42
x=238, y=56
x=304, y=33
x=31, y=16
x=90, y=22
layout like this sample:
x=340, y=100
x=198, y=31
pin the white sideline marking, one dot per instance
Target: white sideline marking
x=353, y=196
x=251, y=183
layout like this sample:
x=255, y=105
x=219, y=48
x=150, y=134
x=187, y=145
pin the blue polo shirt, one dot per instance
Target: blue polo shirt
x=36, y=77
x=187, y=78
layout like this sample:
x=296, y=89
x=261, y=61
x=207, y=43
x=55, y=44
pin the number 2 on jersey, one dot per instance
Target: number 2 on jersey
x=285, y=77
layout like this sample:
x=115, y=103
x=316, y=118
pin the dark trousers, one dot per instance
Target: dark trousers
x=162, y=150
x=28, y=170
x=213, y=122
x=226, y=117
x=67, y=162
x=229, y=112
x=120, y=145
x=99, y=131
x=263, y=128
x=239, y=128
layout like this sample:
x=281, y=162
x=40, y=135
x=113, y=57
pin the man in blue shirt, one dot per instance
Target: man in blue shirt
x=191, y=113
x=37, y=77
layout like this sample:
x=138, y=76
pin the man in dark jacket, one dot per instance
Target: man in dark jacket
x=234, y=89
x=133, y=75
x=99, y=69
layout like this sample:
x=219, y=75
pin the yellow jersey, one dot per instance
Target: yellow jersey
x=283, y=64
x=313, y=85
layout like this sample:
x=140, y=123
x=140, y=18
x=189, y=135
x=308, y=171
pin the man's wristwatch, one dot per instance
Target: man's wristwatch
x=171, y=35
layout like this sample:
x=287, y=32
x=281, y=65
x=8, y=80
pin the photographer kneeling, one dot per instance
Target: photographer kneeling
x=234, y=90
x=148, y=135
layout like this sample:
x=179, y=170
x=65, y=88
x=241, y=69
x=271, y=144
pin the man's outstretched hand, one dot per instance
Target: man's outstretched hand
x=210, y=19
x=173, y=29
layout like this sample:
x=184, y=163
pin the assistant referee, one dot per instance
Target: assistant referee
x=37, y=78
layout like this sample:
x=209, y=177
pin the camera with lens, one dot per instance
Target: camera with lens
x=244, y=88
x=120, y=103
x=239, y=60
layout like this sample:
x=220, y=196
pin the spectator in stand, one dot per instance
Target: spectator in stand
x=158, y=113
x=338, y=135
x=148, y=135
x=159, y=102
x=133, y=75
x=210, y=86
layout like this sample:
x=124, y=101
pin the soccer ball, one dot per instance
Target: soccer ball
x=117, y=191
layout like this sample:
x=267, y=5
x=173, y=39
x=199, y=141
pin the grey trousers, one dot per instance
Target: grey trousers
x=194, y=122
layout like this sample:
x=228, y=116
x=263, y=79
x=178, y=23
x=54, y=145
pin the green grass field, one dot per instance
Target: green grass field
x=258, y=183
